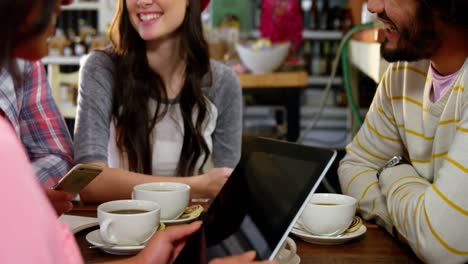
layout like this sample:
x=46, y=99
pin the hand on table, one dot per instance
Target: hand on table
x=60, y=200
x=166, y=245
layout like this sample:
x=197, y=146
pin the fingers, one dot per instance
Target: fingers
x=175, y=233
x=62, y=207
x=55, y=195
x=60, y=200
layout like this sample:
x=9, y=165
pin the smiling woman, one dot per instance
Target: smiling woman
x=162, y=109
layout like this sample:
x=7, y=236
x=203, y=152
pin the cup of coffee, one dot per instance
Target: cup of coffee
x=128, y=222
x=287, y=251
x=328, y=214
x=173, y=197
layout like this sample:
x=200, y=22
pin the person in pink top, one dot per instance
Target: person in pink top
x=31, y=232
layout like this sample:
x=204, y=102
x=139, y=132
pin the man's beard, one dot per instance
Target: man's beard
x=417, y=40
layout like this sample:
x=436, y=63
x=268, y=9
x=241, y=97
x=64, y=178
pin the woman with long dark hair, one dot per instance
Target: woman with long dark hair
x=45, y=240
x=155, y=105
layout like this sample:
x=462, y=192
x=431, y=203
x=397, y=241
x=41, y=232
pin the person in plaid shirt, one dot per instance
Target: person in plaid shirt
x=27, y=103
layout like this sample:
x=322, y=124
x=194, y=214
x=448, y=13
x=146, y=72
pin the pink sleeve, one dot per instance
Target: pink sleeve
x=30, y=231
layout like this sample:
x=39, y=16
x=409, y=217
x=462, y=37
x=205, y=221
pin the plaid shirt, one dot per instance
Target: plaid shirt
x=32, y=112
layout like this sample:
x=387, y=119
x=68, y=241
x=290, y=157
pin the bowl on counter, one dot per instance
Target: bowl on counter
x=263, y=60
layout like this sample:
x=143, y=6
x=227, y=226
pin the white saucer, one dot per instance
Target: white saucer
x=295, y=260
x=190, y=213
x=94, y=238
x=179, y=221
x=327, y=240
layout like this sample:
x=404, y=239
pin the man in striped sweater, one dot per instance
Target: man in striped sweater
x=419, y=112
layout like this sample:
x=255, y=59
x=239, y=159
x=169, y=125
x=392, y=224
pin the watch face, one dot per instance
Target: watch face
x=394, y=161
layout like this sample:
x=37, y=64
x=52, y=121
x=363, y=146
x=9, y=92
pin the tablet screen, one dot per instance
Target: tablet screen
x=260, y=202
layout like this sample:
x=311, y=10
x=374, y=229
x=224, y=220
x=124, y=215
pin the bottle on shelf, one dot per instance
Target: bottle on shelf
x=314, y=16
x=347, y=19
x=306, y=5
x=79, y=48
x=307, y=56
x=324, y=58
x=57, y=43
x=315, y=62
x=324, y=15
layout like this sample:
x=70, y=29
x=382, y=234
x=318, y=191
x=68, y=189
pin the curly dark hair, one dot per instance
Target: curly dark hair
x=450, y=11
x=135, y=83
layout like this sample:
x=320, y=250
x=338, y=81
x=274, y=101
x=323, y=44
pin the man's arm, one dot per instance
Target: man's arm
x=433, y=218
x=376, y=142
x=43, y=130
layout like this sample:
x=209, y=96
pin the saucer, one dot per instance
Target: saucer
x=327, y=240
x=94, y=238
x=190, y=213
x=295, y=260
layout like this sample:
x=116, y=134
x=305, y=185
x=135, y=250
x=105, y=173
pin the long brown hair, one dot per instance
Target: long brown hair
x=135, y=83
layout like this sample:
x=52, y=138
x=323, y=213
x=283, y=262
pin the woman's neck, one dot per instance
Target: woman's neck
x=165, y=58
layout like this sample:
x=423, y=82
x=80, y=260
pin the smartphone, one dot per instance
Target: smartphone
x=77, y=178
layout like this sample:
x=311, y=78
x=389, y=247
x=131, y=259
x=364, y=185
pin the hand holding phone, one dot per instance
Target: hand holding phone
x=77, y=178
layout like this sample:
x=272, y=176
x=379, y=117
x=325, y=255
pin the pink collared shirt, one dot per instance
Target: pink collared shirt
x=29, y=228
x=441, y=83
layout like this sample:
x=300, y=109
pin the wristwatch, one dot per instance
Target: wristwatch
x=396, y=160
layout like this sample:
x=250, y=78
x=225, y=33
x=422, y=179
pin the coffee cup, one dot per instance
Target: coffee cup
x=287, y=251
x=128, y=222
x=328, y=214
x=173, y=197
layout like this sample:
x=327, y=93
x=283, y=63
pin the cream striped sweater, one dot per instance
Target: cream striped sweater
x=426, y=201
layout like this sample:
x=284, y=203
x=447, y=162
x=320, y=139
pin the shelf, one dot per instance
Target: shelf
x=60, y=60
x=81, y=6
x=313, y=34
x=323, y=80
x=277, y=79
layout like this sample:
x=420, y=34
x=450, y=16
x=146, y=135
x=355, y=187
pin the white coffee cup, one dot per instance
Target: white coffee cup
x=284, y=256
x=328, y=214
x=173, y=197
x=128, y=222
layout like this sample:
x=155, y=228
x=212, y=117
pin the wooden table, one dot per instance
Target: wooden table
x=290, y=86
x=376, y=246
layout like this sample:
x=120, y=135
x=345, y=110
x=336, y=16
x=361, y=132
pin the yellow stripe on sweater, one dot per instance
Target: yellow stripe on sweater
x=405, y=219
x=368, y=152
x=365, y=192
x=441, y=241
x=384, y=85
x=447, y=200
x=373, y=129
x=391, y=119
x=409, y=68
x=399, y=180
x=462, y=129
x=456, y=164
x=415, y=133
x=354, y=177
x=435, y=156
x=398, y=212
x=447, y=122
x=415, y=222
x=459, y=88
x=406, y=98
